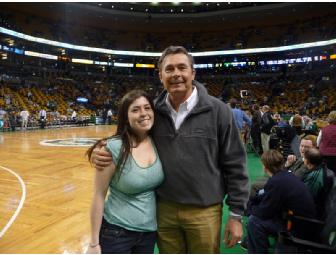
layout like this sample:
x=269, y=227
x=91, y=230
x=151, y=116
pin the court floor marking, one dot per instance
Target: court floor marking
x=23, y=198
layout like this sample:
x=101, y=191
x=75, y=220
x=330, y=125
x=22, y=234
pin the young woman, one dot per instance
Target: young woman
x=126, y=221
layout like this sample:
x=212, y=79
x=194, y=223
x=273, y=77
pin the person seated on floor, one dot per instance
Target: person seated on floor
x=293, y=164
x=279, y=120
x=283, y=192
x=297, y=122
x=318, y=178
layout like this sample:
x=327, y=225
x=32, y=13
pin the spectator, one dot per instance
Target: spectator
x=255, y=129
x=326, y=141
x=297, y=122
x=24, y=114
x=12, y=120
x=308, y=123
x=318, y=178
x=74, y=116
x=295, y=164
x=283, y=191
x=109, y=116
x=29, y=95
x=43, y=118
x=267, y=123
x=279, y=121
x=239, y=115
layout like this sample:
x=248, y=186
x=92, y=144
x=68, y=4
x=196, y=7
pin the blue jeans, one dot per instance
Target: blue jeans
x=258, y=231
x=115, y=239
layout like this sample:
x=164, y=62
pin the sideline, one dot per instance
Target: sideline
x=23, y=198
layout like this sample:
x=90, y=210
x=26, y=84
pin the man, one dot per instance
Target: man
x=203, y=160
x=24, y=114
x=240, y=118
x=266, y=125
x=318, y=178
x=74, y=116
x=239, y=115
x=255, y=129
x=12, y=119
x=295, y=164
x=279, y=122
x=43, y=118
x=283, y=191
x=109, y=116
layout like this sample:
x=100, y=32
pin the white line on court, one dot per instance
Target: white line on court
x=23, y=198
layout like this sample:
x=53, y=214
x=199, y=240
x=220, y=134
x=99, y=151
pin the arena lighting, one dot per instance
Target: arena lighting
x=100, y=63
x=82, y=61
x=40, y=55
x=203, y=66
x=287, y=61
x=145, y=65
x=82, y=100
x=7, y=48
x=117, y=64
x=77, y=47
x=158, y=54
x=3, y=56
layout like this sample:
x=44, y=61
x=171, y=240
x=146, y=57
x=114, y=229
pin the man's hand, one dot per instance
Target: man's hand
x=290, y=160
x=233, y=232
x=100, y=157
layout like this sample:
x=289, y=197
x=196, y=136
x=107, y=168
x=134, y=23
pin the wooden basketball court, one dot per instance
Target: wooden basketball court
x=45, y=191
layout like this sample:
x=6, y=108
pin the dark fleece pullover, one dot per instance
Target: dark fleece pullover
x=204, y=159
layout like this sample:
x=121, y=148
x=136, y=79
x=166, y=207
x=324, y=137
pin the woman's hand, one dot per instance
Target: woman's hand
x=93, y=250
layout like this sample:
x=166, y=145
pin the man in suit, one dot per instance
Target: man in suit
x=267, y=123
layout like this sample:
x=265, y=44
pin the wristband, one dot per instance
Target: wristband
x=236, y=217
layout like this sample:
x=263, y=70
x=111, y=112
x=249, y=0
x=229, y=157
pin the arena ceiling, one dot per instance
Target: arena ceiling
x=173, y=7
x=168, y=16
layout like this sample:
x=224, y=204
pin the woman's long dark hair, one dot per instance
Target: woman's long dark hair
x=124, y=131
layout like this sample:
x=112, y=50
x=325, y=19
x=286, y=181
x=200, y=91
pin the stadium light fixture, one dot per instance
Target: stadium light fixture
x=158, y=54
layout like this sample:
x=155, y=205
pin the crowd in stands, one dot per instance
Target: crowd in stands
x=307, y=94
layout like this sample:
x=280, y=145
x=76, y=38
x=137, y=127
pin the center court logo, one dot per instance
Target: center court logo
x=70, y=142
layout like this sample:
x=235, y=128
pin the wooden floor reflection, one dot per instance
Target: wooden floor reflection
x=55, y=215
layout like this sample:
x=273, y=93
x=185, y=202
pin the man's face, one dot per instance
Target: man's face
x=177, y=75
x=305, y=145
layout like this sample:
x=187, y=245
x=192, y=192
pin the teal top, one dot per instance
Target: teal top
x=131, y=202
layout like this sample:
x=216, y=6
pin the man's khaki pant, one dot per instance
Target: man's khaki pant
x=188, y=229
x=265, y=140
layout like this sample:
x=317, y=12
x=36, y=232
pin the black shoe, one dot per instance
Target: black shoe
x=243, y=243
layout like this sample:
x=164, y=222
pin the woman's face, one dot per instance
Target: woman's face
x=140, y=116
